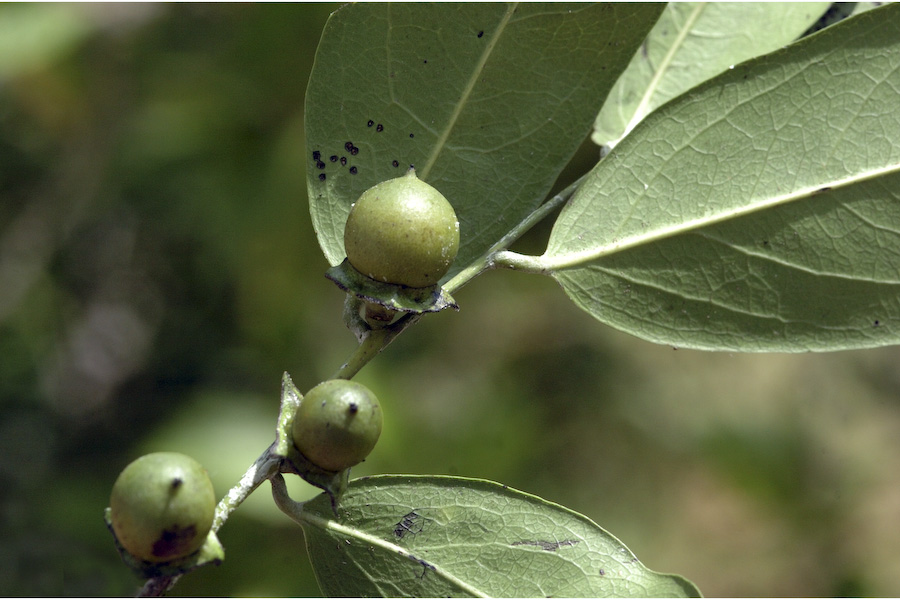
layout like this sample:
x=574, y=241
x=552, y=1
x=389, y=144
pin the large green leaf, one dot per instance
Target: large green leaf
x=757, y=212
x=447, y=536
x=489, y=102
x=691, y=42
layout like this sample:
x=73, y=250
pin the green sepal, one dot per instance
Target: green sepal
x=395, y=297
x=211, y=552
x=290, y=402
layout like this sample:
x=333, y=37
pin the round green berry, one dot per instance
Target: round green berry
x=402, y=231
x=162, y=506
x=337, y=424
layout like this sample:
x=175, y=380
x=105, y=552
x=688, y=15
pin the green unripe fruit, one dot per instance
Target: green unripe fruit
x=162, y=506
x=402, y=231
x=337, y=424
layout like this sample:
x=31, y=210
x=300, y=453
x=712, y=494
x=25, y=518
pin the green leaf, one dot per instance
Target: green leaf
x=489, y=102
x=691, y=42
x=427, y=536
x=861, y=7
x=757, y=212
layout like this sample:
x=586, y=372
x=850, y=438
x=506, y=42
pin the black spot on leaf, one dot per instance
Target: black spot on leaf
x=333, y=158
x=410, y=524
x=370, y=123
x=425, y=566
x=480, y=34
x=395, y=163
x=343, y=161
x=353, y=170
x=321, y=176
x=379, y=128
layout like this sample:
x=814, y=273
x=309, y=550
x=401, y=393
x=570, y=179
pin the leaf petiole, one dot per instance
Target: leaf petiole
x=499, y=257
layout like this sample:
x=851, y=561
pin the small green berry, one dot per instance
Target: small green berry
x=402, y=231
x=337, y=424
x=162, y=506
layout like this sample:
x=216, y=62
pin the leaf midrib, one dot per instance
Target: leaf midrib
x=641, y=111
x=311, y=519
x=550, y=262
x=467, y=91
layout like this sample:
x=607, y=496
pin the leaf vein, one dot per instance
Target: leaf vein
x=441, y=142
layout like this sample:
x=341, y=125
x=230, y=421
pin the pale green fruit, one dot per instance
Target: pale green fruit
x=337, y=424
x=162, y=506
x=402, y=231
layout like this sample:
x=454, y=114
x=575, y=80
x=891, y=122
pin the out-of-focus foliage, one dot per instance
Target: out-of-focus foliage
x=159, y=272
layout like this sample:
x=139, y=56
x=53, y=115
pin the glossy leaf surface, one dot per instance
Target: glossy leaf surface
x=757, y=212
x=488, y=101
x=402, y=536
x=691, y=42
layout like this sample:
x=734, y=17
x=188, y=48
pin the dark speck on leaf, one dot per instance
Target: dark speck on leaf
x=353, y=170
x=379, y=128
x=480, y=33
x=353, y=408
x=348, y=146
x=370, y=123
x=320, y=165
x=395, y=163
x=321, y=176
x=333, y=158
x=354, y=151
x=412, y=135
x=877, y=323
x=316, y=155
x=425, y=62
x=411, y=523
x=343, y=161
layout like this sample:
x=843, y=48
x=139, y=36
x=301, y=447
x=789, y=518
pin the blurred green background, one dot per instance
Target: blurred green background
x=158, y=273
